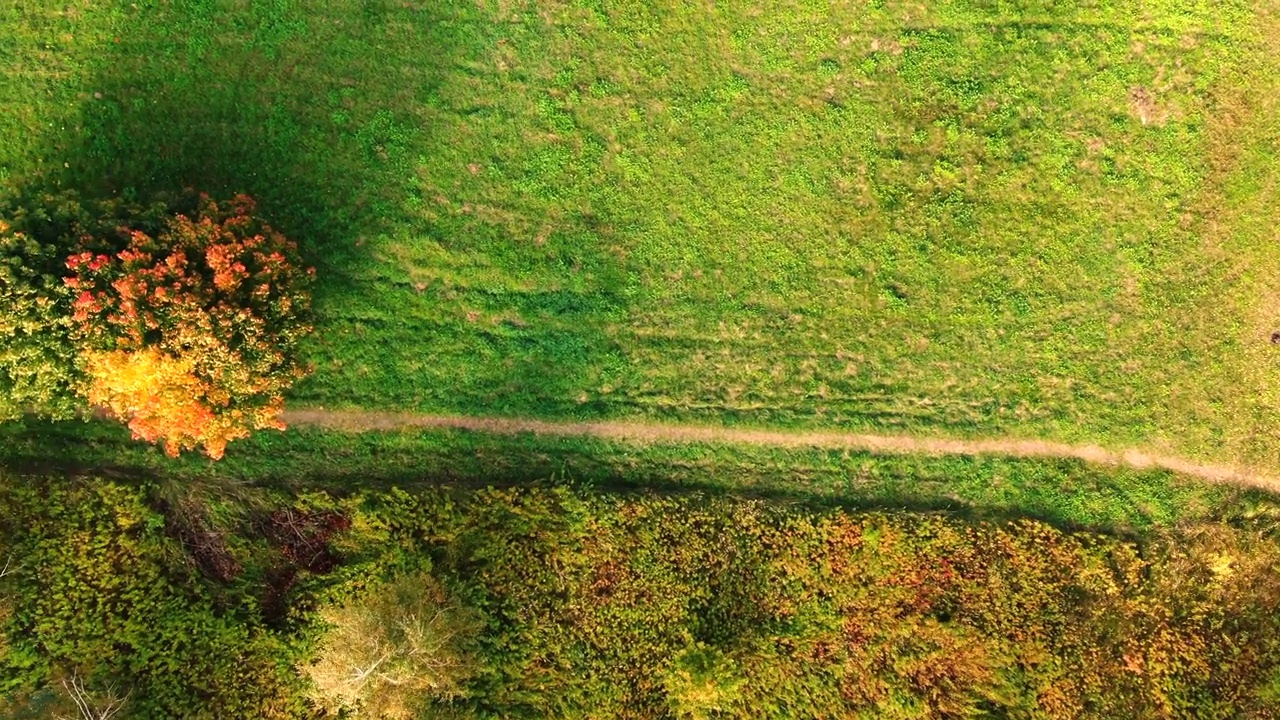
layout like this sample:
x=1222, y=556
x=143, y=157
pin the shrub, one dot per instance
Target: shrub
x=702, y=682
x=399, y=646
x=190, y=335
x=100, y=603
x=35, y=339
x=67, y=222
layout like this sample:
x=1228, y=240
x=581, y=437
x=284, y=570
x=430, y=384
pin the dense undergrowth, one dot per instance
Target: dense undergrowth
x=218, y=600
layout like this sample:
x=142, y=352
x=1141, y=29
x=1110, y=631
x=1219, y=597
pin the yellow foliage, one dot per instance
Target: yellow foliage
x=163, y=401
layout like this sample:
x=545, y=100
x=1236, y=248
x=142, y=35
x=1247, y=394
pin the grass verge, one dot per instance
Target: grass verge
x=1066, y=493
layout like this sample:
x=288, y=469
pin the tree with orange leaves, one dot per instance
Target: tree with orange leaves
x=190, y=335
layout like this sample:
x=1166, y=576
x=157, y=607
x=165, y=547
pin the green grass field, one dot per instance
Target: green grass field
x=1040, y=219
x=1013, y=219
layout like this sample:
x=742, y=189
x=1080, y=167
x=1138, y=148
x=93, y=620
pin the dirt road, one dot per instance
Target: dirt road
x=647, y=433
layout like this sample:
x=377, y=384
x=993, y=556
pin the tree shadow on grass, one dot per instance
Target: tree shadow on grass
x=325, y=112
x=226, y=98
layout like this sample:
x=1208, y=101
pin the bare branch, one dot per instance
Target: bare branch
x=359, y=677
x=108, y=704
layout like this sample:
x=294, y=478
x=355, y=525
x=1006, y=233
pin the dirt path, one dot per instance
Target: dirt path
x=645, y=433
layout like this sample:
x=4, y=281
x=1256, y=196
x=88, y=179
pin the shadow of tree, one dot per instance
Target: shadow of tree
x=223, y=97
x=326, y=114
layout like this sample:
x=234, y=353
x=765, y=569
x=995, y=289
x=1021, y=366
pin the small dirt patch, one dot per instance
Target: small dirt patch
x=1143, y=103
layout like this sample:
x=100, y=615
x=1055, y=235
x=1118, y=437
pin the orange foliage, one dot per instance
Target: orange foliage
x=164, y=402
x=191, y=336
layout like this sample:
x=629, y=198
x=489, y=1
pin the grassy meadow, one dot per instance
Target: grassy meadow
x=1036, y=218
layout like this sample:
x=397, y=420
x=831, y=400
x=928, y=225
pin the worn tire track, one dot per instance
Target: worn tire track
x=648, y=432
